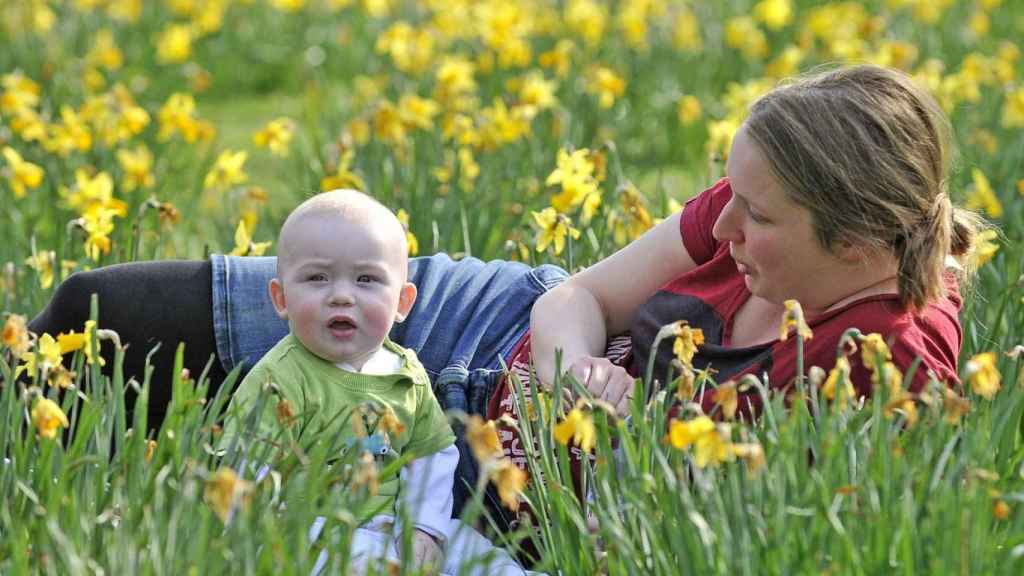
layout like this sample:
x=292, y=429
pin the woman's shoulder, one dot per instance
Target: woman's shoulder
x=933, y=334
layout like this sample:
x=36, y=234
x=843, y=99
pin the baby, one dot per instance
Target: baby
x=341, y=283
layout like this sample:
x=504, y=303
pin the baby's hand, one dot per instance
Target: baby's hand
x=426, y=553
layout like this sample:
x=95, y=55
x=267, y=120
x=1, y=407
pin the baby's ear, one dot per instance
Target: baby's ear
x=406, y=298
x=277, y=297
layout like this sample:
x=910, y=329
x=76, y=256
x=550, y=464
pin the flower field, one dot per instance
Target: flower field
x=545, y=131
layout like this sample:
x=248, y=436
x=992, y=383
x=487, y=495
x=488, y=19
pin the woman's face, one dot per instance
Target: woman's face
x=772, y=239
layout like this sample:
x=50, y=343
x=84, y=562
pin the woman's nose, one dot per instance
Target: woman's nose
x=727, y=228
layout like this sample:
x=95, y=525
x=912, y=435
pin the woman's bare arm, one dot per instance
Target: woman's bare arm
x=577, y=316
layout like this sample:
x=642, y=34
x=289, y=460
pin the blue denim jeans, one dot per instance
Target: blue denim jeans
x=468, y=316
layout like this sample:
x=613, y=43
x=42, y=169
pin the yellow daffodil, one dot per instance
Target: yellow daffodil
x=454, y=78
x=15, y=335
x=793, y=317
x=91, y=192
x=284, y=412
x=786, y=64
x=686, y=36
x=244, y=245
x=416, y=112
x=288, y=5
x=69, y=135
x=903, y=403
x=685, y=384
x=366, y=474
x=29, y=125
x=575, y=174
x=389, y=423
x=150, y=451
x=720, y=134
x=837, y=387
x=178, y=115
x=586, y=18
x=558, y=58
x=752, y=455
x=510, y=481
x=775, y=14
x=688, y=109
x=985, y=247
x=49, y=351
x=686, y=343
x=727, y=396
x=1013, y=109
x=535, y=90
x=137, y=165
x=343, y=177
x=276, y=136
x=1001, y=510
x=743, y=34
x=410, y=50
x=577, y=426
x=227, y=171
x=105, y=52
x=48, y=418
x=954, y=406
x=983, y=375
x=606, y=84
x=174, y=44
x=682, y=434
x=61, y=377
x=19, y=93
x=410, y=238
x=500, y=125
x=981, y=196
x=226, y=492
x=98, y=223
x=43, y=264
x=875, y=354
x=21, y=174
x=552, y=230
x=388, y=125
x=633, y=220
x=482, y=438
x=713, y=448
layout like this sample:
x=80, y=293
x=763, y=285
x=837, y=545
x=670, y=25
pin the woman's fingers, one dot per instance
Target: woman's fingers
x=605, y=381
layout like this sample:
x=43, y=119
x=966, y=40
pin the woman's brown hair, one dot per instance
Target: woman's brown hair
x=867, y=151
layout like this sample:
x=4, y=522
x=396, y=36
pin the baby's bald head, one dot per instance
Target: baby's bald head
x=350, y=207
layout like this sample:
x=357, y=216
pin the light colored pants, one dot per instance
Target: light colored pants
x=468, y=552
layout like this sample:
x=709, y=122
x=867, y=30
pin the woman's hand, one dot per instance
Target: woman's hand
x=605, y=380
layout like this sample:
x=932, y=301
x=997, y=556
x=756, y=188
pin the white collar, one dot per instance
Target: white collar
x=383, y=362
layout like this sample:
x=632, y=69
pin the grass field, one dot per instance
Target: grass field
x=152, y=129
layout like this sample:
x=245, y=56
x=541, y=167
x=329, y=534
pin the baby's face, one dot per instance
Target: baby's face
x=342, y=286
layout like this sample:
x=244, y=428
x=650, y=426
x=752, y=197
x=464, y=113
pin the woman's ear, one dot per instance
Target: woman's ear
x=277, y=297
x=850, y=253
x=406, y=298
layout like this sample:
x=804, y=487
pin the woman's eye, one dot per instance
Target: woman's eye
x=758, y=218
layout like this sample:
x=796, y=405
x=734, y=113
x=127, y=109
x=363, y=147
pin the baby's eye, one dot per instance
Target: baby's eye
x=366, y=278
x=317, y=277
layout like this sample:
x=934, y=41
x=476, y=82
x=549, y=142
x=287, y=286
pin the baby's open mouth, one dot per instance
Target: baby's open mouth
x=341, y=324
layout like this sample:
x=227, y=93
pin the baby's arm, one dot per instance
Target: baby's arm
x=426, y=494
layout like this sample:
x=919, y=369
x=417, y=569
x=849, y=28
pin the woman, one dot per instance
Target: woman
x=835, y=197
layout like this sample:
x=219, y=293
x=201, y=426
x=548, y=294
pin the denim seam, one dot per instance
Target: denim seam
x=224, y=339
